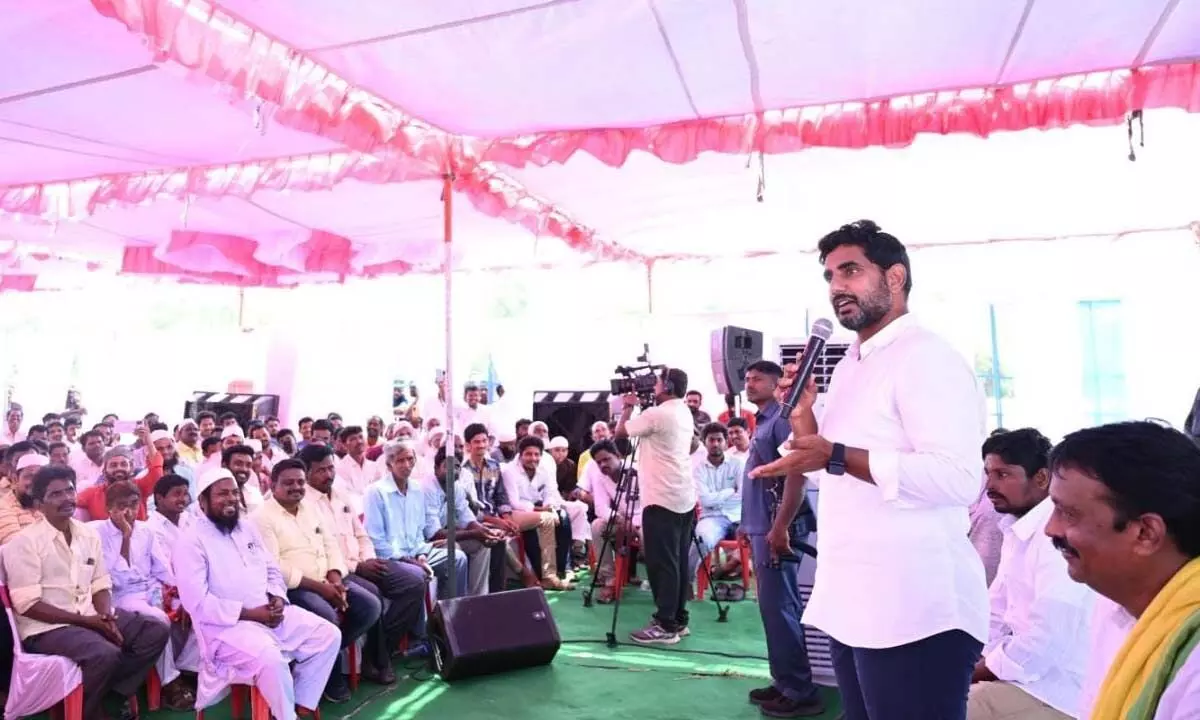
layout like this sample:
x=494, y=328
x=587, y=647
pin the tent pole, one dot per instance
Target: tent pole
x=451, y=431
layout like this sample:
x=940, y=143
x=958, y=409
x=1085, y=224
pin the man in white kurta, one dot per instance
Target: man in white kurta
x=237, y=598
x=140, y=566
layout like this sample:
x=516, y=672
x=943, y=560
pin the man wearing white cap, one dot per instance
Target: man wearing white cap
x=577, y=510
x=233, y=589
x=17, y=507
x=506, y=446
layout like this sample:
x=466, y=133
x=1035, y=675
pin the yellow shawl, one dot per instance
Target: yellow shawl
x=1156, y=648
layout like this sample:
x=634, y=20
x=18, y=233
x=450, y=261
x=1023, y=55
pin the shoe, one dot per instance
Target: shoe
x=417, y=650
x=683, y=631
x=379, y=676
x=652, y=634
x=337, y=691
x=785, y=707
x=765, y=695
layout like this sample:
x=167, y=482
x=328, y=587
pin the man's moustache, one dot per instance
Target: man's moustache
x=1063, y=546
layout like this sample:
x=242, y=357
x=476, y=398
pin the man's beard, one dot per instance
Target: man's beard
x=116, y=477
x=870, y=309
x=25, y=500
x=226, y=524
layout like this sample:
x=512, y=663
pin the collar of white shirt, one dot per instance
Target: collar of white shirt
x=1032, y=522
x=886, y=336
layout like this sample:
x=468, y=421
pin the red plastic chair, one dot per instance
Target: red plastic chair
x=743, y=550
x=621, y=567
x=259, y=710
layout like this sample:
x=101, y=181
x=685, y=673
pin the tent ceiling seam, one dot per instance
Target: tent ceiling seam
x=1163, y=17
x=272, y=213
x=439, y=27
x=1012, y=43
x=662, y=31
x=82, y=153
x=97, y=141
x=743, y=26
x=96, y=80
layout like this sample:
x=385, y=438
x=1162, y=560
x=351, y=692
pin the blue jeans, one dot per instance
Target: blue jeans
x=709, y=531
x=780, y=605
x=437, y=560
x=362, y=613
x=928, y=678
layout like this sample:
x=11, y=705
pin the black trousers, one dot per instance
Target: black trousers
x=923, y=680
x=403, y=586
x=666, y=539
x=106, y=667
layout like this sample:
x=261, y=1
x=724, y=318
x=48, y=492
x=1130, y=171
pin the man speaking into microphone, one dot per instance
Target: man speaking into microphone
x=899, y=588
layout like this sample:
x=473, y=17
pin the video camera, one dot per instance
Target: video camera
x=638, y=379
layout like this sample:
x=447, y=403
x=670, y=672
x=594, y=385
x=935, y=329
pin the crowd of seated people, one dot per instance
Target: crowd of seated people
x=119, y=557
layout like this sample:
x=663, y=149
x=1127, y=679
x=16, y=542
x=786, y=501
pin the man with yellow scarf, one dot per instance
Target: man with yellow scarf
x=1127, y=519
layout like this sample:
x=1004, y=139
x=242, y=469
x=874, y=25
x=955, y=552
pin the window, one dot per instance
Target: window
x=992, y=378
x=1104, y=389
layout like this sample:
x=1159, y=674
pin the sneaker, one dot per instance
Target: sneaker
x=652, y=634
x=683, y=631
x=785, y=707
x=765, y=695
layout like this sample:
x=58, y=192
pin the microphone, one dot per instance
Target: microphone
x=821, y=330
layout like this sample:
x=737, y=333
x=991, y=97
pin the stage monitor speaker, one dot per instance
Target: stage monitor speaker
x=571, y=414
x=733, y=350
x=489, y=634
x=247, y=406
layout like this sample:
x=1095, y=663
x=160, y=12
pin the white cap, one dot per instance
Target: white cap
x=254, y=445
x=213, y=476
x=231, y=431
x=506, y=436
x=558, y=442
x=32, y=460
x=160, y=435
x=539, y=424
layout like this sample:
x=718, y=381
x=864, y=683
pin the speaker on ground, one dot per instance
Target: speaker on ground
x=488, y=634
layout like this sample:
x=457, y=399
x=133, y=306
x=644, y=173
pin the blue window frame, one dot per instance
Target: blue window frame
x=1104, y=388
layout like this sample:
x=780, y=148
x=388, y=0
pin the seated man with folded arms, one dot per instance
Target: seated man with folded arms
x=62, y=596
x=310, y=558
x=17, y=508
x=140, y=567
x=233, y=590
x=484, y=547
x=1033, y=662
x=627, y=521
x=718, y=480
x=532, y=491
x=402, y=585
x=395, y=516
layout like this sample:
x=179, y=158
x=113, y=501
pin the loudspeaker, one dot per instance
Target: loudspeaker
x=572, y=414
x=733, y=349
x=489, y=634
x=247, y=406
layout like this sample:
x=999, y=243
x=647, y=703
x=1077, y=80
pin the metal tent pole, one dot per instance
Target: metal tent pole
x=451, y=431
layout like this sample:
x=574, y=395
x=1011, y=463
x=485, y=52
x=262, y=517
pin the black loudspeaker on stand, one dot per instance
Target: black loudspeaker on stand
x=488, y=634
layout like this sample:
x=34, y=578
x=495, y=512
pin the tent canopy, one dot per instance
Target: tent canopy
x=264, y=142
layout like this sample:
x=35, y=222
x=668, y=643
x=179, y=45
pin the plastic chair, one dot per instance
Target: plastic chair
x=621, y=567
x=743, y=550
x=40, y=682
x=352, y=659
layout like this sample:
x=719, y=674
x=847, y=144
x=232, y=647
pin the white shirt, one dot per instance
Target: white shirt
x=168, y=532
x=896, y=563
x=736, y=454
x=1110, y=626
x=603, y=490
x=354, y=479
x=86, y=471
x=465, y=415
x=10, y=438
x=719, y=488
x=1039, y=615
x=525, y=492
x=664, y=455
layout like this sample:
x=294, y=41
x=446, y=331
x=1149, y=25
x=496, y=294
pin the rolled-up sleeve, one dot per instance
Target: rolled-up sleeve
x=23, y=567
x=942, y=411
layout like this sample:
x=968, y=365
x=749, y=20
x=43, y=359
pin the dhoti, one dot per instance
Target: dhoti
x=249, y=650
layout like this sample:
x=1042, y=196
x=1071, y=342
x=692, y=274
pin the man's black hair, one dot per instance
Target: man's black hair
x=530, y=441
x=882, y=250
x=1147, y=468
x=228, y=453
x=46, y=475
x=294, y=463
x=766, y=367
x=1025, y=447
x=314, y=453
x=474, y=430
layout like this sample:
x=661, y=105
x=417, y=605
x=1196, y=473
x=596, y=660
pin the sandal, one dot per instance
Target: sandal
x=178, y=698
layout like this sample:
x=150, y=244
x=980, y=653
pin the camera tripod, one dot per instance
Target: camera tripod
x=617, y=534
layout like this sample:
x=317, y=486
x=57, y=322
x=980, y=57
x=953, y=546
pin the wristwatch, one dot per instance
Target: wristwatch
x=837, y=460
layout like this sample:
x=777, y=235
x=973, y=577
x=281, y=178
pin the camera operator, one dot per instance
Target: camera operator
x=668, y=500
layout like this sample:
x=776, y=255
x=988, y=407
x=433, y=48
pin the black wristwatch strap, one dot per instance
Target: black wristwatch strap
x=837, y=460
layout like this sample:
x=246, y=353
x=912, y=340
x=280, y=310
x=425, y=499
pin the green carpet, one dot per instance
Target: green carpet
x=589, y=681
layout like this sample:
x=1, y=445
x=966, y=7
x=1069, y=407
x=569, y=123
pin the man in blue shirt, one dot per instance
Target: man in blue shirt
x=791, y=692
